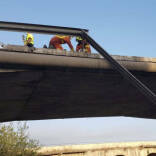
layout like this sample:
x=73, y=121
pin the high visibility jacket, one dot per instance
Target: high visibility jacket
x=87, y=48
x=29, y=36
x=60, y=36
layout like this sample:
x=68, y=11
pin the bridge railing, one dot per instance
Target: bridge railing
x=46, y=29
x=41, y=29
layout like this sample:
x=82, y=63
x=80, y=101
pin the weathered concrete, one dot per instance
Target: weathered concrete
x=57, y=84
x=106, y=149
x=49, y=58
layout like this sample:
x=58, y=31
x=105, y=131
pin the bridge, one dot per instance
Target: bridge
x=51, y=84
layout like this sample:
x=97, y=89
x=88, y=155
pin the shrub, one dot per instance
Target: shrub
x=15, y=141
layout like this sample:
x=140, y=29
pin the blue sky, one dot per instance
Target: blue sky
x=122, y=27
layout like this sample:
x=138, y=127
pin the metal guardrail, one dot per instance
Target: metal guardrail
x=37, y=28
x=44, y=29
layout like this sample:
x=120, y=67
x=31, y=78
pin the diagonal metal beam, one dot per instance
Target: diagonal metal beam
x=123, y=71
x=37, y=28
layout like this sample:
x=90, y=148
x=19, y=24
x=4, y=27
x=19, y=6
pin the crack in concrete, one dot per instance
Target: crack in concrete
x=35, y=84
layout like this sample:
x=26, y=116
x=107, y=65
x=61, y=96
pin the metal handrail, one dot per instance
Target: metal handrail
x=38, y=28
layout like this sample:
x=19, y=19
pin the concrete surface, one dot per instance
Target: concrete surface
x=50, y=84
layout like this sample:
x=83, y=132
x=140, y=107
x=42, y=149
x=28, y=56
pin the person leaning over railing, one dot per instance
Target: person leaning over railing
x=29, y=40
x=57, y=41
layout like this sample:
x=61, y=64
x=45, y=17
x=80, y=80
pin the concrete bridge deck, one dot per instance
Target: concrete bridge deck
x=51, y=84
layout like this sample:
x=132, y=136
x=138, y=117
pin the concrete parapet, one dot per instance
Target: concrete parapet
x=42, y=57
x=106, y=149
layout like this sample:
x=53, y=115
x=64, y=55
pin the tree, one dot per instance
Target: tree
x=15, y=141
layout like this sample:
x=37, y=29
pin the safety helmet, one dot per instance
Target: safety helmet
x=29, y=35
x=78, y=38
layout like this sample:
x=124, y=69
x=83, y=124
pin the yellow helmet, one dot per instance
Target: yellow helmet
x=78, y=38
x=29, y=35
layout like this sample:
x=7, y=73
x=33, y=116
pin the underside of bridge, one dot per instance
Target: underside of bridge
x=36, y=86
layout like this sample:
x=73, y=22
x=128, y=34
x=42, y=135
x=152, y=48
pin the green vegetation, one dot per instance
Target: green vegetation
x=15, y=141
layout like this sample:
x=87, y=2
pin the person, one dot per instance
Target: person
x=82, y=45
x=29, y=41
x=57, y=41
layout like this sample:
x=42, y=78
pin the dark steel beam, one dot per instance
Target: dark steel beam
x=123, y=71
x=37, y=28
